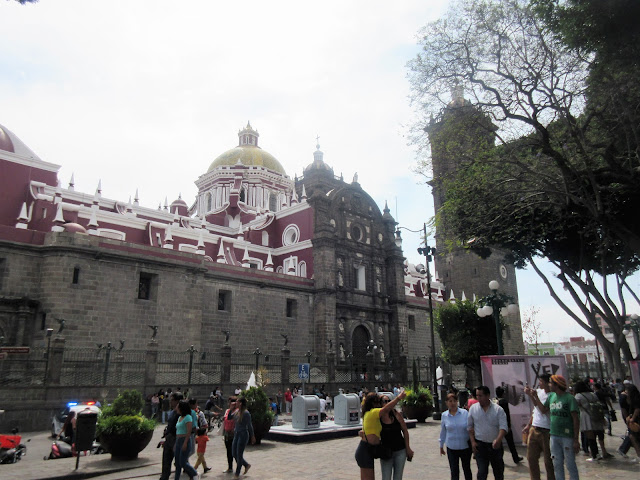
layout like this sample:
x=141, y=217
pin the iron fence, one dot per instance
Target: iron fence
x=24, y=369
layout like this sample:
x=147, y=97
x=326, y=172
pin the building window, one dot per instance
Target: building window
x=291, y=235
x=273, y=201
x=3, y=263
x=145, y=285
x=359, y=274
x=412, y=322
x=292, y=308
x=224, y=301
x=76, y=275
x=43, y=320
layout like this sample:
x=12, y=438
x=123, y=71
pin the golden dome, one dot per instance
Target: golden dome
x=248, y=155
x=248, y=152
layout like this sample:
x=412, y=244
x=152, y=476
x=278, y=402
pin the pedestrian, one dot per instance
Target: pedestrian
x=280, y=401
x=288, y=399
x=624, y=413
x=242, y=434
x=504, y=403
x=329, y=405
x=564, y=425
x=170, y=435
x=372, y=410
x=471, y=400
x=395, y=435
x=454, y=433
x=273, y=406
x=591, y=420
x=604, y=396
x=166, y=408
x=537, y=432
x=68, y=431
x=633, y=400
x=201, y=441
x=193, y=404
x=155, y=401
x=228, y=426
x=487, y=425
x=184, y=428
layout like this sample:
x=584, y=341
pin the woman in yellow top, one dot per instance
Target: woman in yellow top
x=372, y=410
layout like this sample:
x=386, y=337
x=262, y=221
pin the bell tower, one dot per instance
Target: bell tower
x=460, y=134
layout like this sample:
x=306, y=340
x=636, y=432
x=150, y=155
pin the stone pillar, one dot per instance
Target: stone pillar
x=151, y=364
x=331, y=366
x=402, y=369
x=55, y=361
x=225, y=374
x=285, y=361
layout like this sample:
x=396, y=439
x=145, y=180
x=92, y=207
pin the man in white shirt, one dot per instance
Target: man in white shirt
x=537, y=431
x=487, y=425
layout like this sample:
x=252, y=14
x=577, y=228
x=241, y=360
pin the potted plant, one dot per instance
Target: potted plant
x=122, y=429
x=418, y=403
x=261, y=414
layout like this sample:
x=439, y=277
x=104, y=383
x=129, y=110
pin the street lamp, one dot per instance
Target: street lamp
x=633, y=324
x=428, y=253
x=496, y=304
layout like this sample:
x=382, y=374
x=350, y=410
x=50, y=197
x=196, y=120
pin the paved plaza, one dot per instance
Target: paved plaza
x=327, y=460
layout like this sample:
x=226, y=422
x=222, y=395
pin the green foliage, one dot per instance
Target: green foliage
x=124, y=425
x=464, y=336
x=417, y=396
x=258, y=405
x=124, y=416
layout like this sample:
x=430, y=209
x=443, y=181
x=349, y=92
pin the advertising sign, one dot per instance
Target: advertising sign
x=514, y=373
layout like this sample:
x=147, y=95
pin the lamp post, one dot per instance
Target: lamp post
x=495, y=304
x=191, y=351
x=428, y=253
x=634, y=324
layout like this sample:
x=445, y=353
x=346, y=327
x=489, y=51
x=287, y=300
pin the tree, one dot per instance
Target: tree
x=532, y=328
x=464, y=336
x=562, y=182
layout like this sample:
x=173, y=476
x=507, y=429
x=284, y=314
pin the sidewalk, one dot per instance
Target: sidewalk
x=329, y=460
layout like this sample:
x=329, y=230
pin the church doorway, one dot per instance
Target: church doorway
x=359, y=343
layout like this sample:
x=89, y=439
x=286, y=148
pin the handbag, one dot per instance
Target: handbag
x=613, y=416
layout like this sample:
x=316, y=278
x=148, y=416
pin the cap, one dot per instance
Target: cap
x=560, y=381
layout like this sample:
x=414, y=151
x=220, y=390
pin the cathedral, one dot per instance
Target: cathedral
x=255, y=258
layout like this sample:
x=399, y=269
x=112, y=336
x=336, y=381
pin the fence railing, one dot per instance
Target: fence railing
x=112, y=366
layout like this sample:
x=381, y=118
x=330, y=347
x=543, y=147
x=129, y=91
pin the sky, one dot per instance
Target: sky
x=146, y=94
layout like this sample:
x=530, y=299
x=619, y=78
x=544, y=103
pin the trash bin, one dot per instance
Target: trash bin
x=306, y=412
x=85, y=430
x=346, y=410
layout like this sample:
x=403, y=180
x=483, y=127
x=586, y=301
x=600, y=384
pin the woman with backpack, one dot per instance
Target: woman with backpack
x=591, y=420
x=228, y=426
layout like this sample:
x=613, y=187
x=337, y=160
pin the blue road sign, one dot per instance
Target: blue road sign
x=303, y=371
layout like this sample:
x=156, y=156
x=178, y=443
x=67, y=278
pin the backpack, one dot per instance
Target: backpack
x=229, y=423
x=595, y=409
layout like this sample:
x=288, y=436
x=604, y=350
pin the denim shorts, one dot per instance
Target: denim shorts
x=364, y=457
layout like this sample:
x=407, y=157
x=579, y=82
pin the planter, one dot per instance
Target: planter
x=125, y=446
x=418, y=413
x=260, y=430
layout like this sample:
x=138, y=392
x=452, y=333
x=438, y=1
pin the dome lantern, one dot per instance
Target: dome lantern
x=248, y=136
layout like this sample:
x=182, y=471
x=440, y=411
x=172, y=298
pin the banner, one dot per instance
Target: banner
x=634, y=366
x=514, y=373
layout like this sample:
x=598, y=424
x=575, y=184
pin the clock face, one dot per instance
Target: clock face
x=503, y=271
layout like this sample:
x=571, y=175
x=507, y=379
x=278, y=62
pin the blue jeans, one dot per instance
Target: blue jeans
x=182, y=458
x=395, y=464
x=486, y=455
x=561, y=452
x=240, y=440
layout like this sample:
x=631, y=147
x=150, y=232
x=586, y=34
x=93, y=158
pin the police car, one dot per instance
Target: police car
x=59, y=418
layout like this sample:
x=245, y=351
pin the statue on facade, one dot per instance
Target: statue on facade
x=378, y=285
x=286, y=339
x=227, y=334
x=342, y=355
x=381, y=350
x=330, y=344
x=61, y=322
x=155, y=331
x=340, y=279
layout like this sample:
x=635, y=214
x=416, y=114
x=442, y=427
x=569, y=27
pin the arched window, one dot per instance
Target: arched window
x=291, y=235
x=273, y=201
x=359, y=343
x=302, y=269
x=242, y=194
x=208, y=202
x=265, y=239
